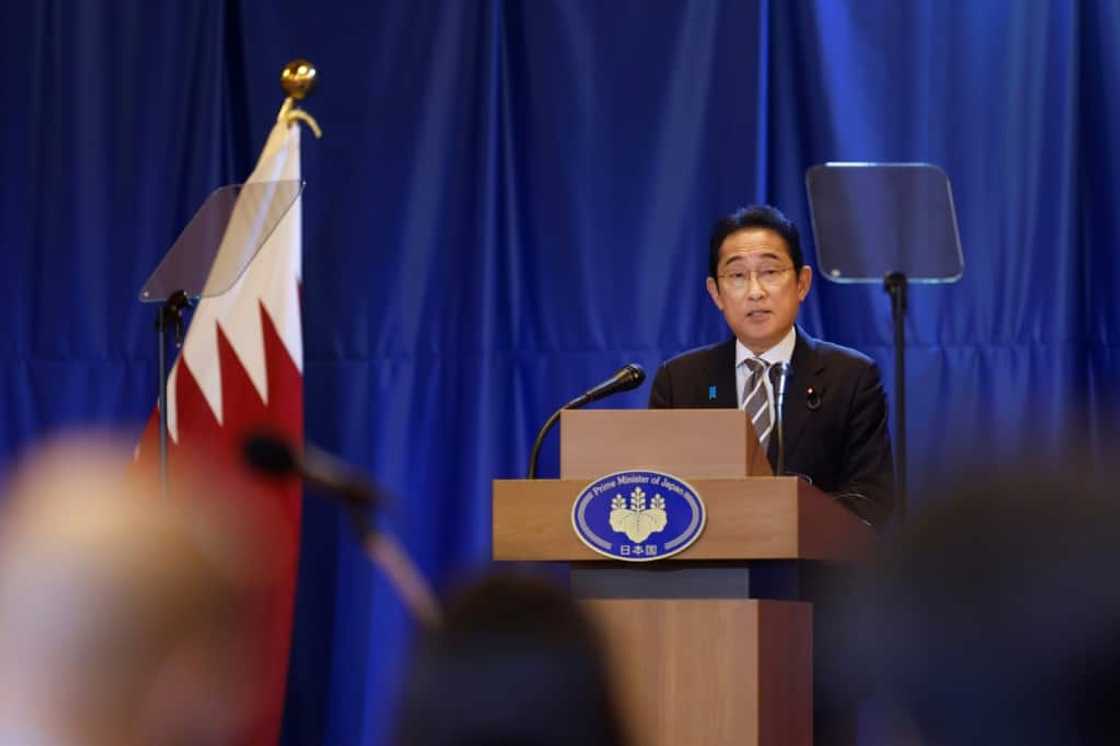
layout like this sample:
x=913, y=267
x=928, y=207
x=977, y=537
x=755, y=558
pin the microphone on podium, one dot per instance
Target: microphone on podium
x=628, y=377
x=780, y=374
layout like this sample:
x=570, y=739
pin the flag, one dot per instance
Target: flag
x=240, y=369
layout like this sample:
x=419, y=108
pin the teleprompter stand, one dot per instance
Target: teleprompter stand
x=888, y=223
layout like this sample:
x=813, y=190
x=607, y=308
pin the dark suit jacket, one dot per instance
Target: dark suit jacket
x=835, y=416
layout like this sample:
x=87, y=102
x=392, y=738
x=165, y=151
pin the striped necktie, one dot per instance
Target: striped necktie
x=756, y=402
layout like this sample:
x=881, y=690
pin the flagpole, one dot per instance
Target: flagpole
x=298, y=79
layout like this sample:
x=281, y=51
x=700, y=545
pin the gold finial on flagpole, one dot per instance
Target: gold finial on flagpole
x=298, y=79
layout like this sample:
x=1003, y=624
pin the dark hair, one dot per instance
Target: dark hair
x=755, y=216
x=516, y=663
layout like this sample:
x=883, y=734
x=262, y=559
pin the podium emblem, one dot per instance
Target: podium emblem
x=638, y=516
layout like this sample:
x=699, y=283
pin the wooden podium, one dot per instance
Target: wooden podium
x=698, y=656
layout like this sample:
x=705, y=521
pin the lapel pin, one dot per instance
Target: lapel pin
x=812, y=399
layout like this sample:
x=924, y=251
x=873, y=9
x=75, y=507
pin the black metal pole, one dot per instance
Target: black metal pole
x=896, y=285
x=171, y=312
x=161, y=337
x=780, y=471
x=536, y=452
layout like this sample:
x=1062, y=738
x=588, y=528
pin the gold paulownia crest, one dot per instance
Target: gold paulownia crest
x=637, y=521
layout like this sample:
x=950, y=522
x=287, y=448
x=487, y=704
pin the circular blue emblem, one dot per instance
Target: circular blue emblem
x=638, y=516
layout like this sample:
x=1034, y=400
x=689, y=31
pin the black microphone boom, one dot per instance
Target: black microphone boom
x=628, y=377
x=274, y=457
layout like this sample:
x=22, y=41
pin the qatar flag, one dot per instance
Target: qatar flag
x=240, y=370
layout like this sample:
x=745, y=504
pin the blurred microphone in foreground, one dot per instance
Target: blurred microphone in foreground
x=274, y=457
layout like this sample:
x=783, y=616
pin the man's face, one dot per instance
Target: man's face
x=763, y=309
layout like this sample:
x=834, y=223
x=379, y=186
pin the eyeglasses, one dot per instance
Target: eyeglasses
x=770, y=278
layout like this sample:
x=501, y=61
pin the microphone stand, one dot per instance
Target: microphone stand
x=630, y=377
x=896, y=283
x=779, y=401
x=576, y=403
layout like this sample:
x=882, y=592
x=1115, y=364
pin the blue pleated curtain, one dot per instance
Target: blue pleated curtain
x=512, y=200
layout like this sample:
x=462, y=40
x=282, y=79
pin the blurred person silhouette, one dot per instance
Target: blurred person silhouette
x=516, y=663
x=1000, y=613
x=124, y=616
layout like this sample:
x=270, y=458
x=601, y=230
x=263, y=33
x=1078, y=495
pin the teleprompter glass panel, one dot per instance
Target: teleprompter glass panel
x=221, y=240
x=872, y=219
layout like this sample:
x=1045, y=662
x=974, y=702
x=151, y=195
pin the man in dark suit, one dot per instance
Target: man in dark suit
x=835, y=411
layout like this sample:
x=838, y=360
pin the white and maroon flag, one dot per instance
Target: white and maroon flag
x=240, y=370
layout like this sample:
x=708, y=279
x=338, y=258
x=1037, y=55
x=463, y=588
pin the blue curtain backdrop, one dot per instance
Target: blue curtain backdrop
x=512, y=200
